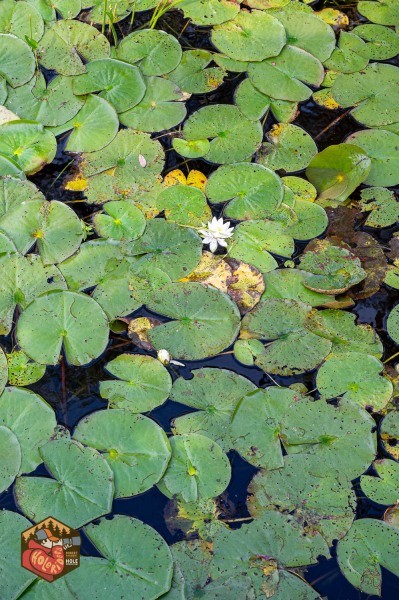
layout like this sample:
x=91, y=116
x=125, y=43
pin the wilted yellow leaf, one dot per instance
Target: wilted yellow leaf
x=174, y=178
x=77, y=185
x=196, y=179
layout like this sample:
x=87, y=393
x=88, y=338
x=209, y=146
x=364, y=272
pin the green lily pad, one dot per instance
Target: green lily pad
x=158, y=110
x=385, y=12
x=382, y=148
x=282, y=76
x=383, y=206
x=254, y=105
x=191, y=148
x=289, y=284
x=233, y=138
x=31, y=420
x=118, y=11
x=51, y=106
x=302, y=189
x=14, y=51
x=198, y=468
x=389, y=430
x=3, y=370
x=161, y=241
x=209, y=12
x=154, y=51
x=243, y=38
x=11, y=463
x=21, y=19
x=142, y=383
x=192, y=75
x=373, y=92
x=337, y=171
x=85, y=134
x=236, y=66
x=330, y=269
x=81, y=488
x=383, y=43
x=23, y=371
x=382, y=489
x=308, y=32
x=74, y=321
x=350, y=56
x=324, y=504
x=115, y=172
x=14, y=579
x=184, y=205
x=9, y=167
x=340, y=437
x=119, y=221
x=135, y=447
x=215, y=393
x=310, y=220
x=146, y=573
x=253, y=191
x=24, y=279
x=253, y=241
x=368, y=544
x=392, y=324
x=53, y=226
x=293, y=348
x=66, y=41
x=28, y=143
x=289, y=147
x=192, y=334
x=355, y=376
x=120, y=84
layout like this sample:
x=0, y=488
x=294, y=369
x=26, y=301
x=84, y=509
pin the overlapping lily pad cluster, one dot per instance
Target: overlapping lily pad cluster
x=108, y=84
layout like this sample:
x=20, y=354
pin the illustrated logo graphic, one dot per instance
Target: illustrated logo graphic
x=50, y=549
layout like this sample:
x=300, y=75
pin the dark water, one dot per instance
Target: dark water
x=76, y=393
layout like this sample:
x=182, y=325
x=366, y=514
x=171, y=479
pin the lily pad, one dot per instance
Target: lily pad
x=243, y=37
x=119, y=221
x=120, y=84
x=308, y=31
x=161, y=241
x=31, y=420
x=330, y=269
x=350, y=56
x=309, y=220
x=23, y=371
x=215, y=393
x=142, y=383
x=289, y=284
x=66, y=41
x=382, y=204
x=74, y=321
x=382, y=489
x=11, y=464
x=198, y=468
x=24, y=279
x=192, y=75
x=392, y=324
x=383, y=43
x=27, y=143
x=289, y=147
x=324, y=504
x=382, y=148
x=293, y=348
x=81, y=488
x=135, y=447
x=154, y=51
x=14, y=579
x=50, y=105
x=233, y=138
x=85, y=134
x=158, y=109
x=337, y=171
x=385, y=12
x=146, y=573
x=254, y=104
x=368, y=544
x=14, y=51
x=21, y=19
x=253, y=241
x=192, y=334
x=191, y=148
x=390, y=433
x=253, y=191
x=209, y=12
x=373, y=92
x=282, y=76
x=184, y=205
x=355, y=376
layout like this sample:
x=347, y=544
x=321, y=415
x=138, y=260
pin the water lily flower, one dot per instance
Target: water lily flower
x=165, y=358
x=216, y=233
